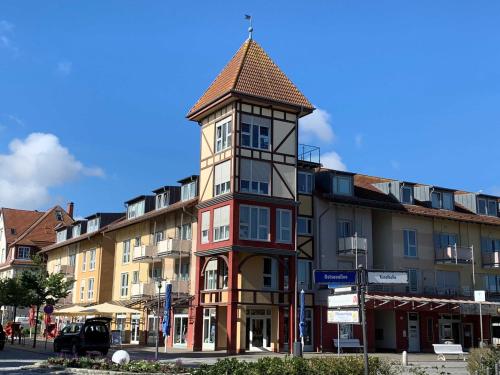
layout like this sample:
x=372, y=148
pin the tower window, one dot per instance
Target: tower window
x=255, y=176
x=222, y=183
x=223, y=132
x=255, y=132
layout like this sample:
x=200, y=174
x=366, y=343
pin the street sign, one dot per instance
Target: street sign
x=48, y=309
x=343, y=290
x=387, y=277
x=343, y=316
x=479, y=296
x=335, y=277
x=343, y=300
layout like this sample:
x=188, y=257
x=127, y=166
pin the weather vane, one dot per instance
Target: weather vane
x=250, y=28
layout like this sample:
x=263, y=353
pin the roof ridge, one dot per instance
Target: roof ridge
x=240, y=68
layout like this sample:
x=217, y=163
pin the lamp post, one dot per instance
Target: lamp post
x=157, y=323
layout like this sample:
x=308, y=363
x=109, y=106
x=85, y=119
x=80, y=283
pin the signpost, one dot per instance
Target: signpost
x=346, y=302
x=480, y=296
x=343, y=316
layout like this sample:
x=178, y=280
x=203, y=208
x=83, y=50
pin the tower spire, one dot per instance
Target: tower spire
x=250, y=28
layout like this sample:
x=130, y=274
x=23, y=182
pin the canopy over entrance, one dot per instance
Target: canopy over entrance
x=108, y=308
x=68, y=311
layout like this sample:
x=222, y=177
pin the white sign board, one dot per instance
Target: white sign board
x=479, y=296
x=343, y=300
x=343, y=316
x=387, y=277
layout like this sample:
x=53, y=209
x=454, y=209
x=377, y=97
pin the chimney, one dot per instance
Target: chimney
x=70, y=209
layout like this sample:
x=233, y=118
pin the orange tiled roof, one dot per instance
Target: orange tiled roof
x=19, y=220
x=252, y=72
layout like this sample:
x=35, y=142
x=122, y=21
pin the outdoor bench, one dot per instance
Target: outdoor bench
x=347, y=344
x=448, y=349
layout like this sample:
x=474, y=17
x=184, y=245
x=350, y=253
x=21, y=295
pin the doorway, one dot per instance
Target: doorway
x=209, y=328
x=180, y=330
x=467, y=334
x=152, y=329
x=134, y=329
x=259, y=330
x=413, y=333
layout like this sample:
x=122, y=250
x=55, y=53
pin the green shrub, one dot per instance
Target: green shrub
x=482, y=358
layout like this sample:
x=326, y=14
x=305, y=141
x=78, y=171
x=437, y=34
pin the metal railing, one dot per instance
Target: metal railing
x=174, y=247
x=491, y=259
x=454, y=254
x=309, y=153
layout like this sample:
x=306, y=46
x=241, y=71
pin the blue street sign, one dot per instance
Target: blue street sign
x=335, y=277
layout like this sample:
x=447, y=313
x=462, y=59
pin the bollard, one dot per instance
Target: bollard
x=404, y=358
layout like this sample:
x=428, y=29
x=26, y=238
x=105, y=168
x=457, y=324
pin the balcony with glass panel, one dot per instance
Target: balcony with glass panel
x=491, y=259
x=150, y=289
x=144, y=253
x=309, y=154
x=174, y=248
x=67, y=270
x=349, y=246
x=453, y=254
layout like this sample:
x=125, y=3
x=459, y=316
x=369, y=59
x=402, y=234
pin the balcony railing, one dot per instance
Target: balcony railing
x=349, y=245
x=65, y=269
x=144, y=253
x=174, y=248
x=150, y=289
x=491, y=259
x=453, y=255
x=310, y=154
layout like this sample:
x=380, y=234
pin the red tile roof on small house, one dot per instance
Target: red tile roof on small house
x=251, y=72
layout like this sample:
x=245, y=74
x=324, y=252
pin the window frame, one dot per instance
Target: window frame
x=82, y=290
x=279, y=227
x=307, y=275
x=309, y=182
x=407, y=246
x=24, y=250
x=225, y=186
x=190, y=188
x=225, y=136
x=90, y=291
x=269, y=276
x=92, y=259
x=93, y=225
x=407, y=188
x=309, y=225
x=84, y=261
x=222, y=228
x=205, y=227
x=124, y=277
x=251, y=133
x=336, y=184
x=254, y=182
x=249, y=224
x=126, y=248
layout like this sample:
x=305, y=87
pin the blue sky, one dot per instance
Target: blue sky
x=409, y=90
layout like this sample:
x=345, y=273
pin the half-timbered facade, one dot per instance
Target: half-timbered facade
x=246, y=249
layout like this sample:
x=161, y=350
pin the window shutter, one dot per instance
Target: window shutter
x=224, y=216
x=205, y=220
x=261, y=171
x=222, y=172
x=217, y=217
x=246, y=169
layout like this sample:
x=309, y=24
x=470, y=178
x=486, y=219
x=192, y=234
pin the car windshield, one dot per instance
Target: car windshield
x=72, y=328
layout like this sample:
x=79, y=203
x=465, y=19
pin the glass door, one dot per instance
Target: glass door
x=152, y=328
x=180, y=329
x=134, y=329
x=120, y=325
x=209, y=328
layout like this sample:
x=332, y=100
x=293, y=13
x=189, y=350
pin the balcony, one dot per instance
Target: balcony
x=453, y=255
x=143, y=289
x=349, y=245
x=180, y=286
x=66, y=269
x=309, y=154
x=491, y=259
x=174, y=248
x=144, y=253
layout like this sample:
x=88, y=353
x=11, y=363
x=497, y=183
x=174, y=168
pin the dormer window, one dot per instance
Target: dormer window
x=61, y=236
x=442, y=200
x=342, y=185
x=59, y=215
x=406, y=195
x=188, y=191
x=487, y=207
x=93, y=225
x=162, y=200
x=76, y=230
x=135, y=209
x=223, y=130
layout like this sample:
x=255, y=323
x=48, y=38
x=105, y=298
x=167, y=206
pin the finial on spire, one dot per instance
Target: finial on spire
x=250, y=28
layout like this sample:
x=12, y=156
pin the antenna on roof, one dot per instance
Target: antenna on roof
x=250, y=28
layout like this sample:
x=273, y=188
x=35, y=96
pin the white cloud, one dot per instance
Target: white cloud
x=316, y=126
x=64, y=67
x=333, y=160
x=6, y=26
x=6, y=30
x=358, y=140
x=33, y=166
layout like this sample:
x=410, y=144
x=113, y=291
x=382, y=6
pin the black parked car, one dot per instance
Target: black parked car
x=79, y=338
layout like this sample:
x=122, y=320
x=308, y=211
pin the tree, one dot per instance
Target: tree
x=43, y=288
x=13, y=294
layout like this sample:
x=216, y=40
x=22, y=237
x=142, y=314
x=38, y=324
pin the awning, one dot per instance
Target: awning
x=69, y=311
x=433, y=303
x=108, y=308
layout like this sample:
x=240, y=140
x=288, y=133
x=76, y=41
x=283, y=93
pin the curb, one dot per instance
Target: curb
x=72, y=370
x=30, y=349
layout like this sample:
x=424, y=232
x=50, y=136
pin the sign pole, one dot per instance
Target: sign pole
x=338, y=339
x=361, y=291
x=481, y=344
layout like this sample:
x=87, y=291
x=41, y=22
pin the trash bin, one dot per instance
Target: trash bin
x=297, y=349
